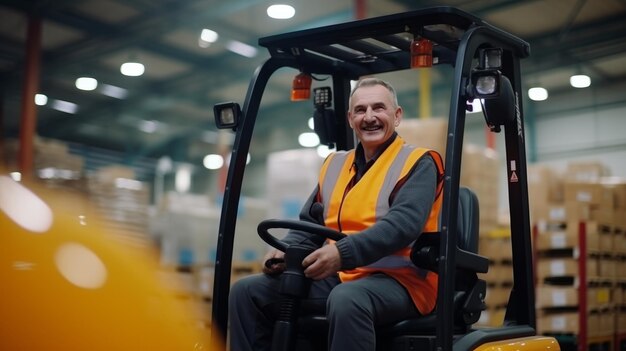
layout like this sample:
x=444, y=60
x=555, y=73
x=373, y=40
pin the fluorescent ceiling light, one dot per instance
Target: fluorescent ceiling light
x=537, y=94
x=241, y=48
x=281, y=11
x=149, y=126
x=64, y=106
x=208, y=35
x=308, y=139
x=41, y=99
x=86, y=83
x=213, y=161
x=113, y=91
x=580, y=81
x=132, y=69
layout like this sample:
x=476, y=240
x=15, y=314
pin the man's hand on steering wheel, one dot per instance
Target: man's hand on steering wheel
x=322, y=263
x=274, y=262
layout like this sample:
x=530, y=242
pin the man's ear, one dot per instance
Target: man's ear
x=350, y=119
x=398, y=116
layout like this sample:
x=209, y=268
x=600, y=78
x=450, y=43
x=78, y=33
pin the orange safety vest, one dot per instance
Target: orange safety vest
x=368, y=201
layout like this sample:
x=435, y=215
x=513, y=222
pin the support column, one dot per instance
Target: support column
x=425, y=92
x=31, y=86
x=360, y=9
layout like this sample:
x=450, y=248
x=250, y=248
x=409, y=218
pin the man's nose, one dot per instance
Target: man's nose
x=369, y=114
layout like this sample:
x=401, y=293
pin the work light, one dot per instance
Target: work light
x=486, y=83
x=322, y=97
x=324, y=116
x=227, y=115
x=486, y=77
x=491, y=58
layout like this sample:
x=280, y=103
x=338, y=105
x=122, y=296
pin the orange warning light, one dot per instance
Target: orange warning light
x=301, y=87
x=421, y=53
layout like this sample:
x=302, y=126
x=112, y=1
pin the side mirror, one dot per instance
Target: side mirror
x=227, y=115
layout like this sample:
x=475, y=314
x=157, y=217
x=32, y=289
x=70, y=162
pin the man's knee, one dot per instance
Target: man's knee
x=345, y=298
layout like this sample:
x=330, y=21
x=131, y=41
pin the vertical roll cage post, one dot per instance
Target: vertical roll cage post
x=350, y=50
x=520, y=313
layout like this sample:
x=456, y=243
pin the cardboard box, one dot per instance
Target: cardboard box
x=618, y=186
x=568, y=237
x=567, y=322
x=556, y=296
x=497, y=296
x=591, y=193
x=585, y=171
x=607, y=268
x=545, y=185
x=564, y=267
x=425, y=132
x=496, y=249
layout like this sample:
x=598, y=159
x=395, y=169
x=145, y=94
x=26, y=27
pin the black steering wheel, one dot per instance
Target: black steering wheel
x=313, y=228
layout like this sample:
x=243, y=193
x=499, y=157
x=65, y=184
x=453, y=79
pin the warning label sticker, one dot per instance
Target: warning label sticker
x=513, y=177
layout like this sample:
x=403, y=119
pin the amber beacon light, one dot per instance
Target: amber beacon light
x=301, y=87
x=421, y=53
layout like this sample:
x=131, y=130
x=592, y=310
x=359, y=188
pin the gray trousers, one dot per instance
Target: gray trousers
x=353, y=310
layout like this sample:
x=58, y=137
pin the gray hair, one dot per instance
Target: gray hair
x=370, y=82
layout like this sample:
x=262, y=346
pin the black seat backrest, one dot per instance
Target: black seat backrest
x=468, y=220
x=425, y=252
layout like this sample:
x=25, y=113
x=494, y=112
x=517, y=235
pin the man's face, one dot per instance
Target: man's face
x=373, y=116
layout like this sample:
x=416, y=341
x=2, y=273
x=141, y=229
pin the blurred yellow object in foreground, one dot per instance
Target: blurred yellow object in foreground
x=66, y=285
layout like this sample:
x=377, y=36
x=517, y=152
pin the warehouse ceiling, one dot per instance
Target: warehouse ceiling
x=168, y=110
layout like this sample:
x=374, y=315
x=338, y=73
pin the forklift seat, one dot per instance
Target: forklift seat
x=469, y=290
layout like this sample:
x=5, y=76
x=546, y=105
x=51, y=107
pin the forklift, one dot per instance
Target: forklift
x=486, y=65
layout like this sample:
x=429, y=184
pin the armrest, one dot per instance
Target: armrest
x=471, y=261
x=425, y=254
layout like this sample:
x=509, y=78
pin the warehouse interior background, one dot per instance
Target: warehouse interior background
x=157, y=128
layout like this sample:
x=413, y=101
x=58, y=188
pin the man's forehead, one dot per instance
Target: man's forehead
x=371, y=94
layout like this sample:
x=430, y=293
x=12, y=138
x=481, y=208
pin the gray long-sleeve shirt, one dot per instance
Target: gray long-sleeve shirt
x=402, y=225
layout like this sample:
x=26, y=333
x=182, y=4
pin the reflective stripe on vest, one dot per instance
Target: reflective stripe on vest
x=336, y=164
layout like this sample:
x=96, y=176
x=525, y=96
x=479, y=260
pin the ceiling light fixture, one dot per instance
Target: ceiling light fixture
x=132, y=69
x=580, y=81
x=113, y=91
x=41, y=99
x=538, y=94
x=207, y=37
x=280, y=11
x=213, y=161
x=241, y=48
x=86, y=83
x=64, y=106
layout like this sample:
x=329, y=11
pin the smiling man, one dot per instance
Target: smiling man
x=383, y=195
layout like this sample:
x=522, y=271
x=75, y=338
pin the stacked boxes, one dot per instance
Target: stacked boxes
x=121, y=202
x=479, y=167
x=496, y=244
x=580, y=246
